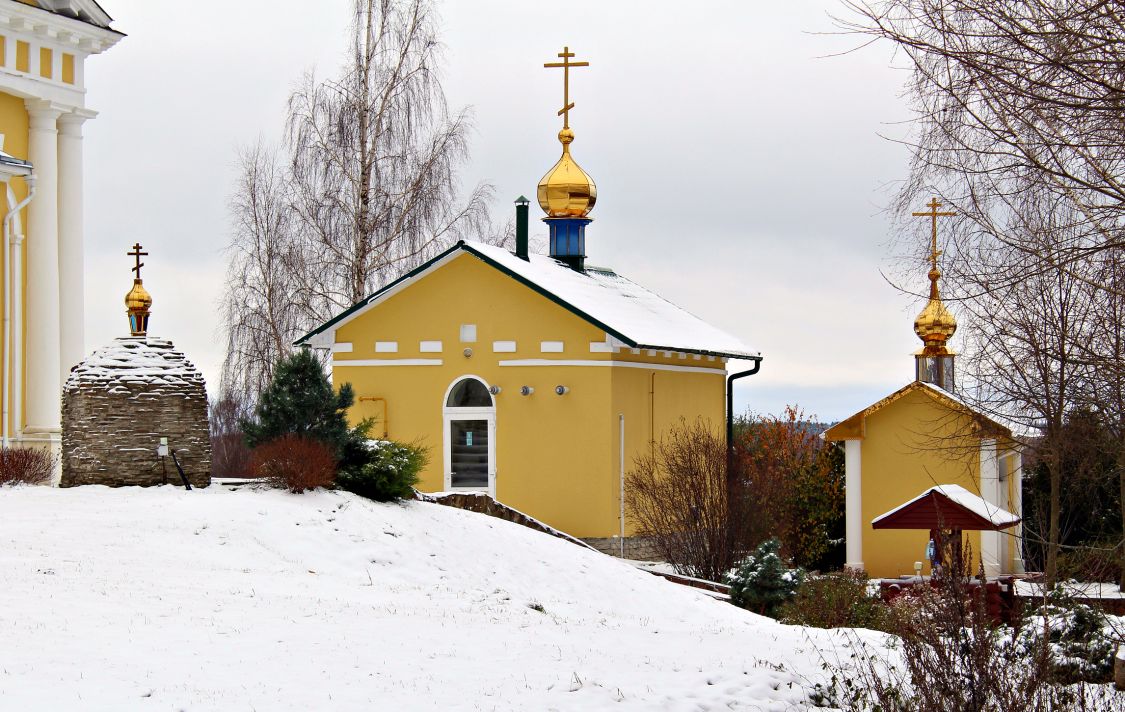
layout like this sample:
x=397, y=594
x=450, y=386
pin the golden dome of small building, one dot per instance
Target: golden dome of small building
x=567, y=191
x=935, y=324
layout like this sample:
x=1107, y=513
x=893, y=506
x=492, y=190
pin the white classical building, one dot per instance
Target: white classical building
x=44, y=45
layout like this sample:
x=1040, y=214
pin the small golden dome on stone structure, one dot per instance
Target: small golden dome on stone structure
x=138, y=300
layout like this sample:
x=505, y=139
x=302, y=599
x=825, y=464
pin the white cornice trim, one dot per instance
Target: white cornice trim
x=614, y=364
x=25, y=86
x=336, y=363
x=66, y=31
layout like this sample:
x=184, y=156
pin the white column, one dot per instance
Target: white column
x=71, y=265
x=44, y=390
x=990, y=542
x=1016, y=473
x=853, y=502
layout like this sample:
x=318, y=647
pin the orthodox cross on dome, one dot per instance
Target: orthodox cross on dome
x=934, y=214
x=138, y=300
x=136, y=253
x=566, y=64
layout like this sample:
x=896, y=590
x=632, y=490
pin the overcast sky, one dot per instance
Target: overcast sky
x=740, y=168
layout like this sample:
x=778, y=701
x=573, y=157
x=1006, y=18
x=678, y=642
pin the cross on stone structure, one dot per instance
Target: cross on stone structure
x=566, y=64
x=136, y=253
x=933, y=214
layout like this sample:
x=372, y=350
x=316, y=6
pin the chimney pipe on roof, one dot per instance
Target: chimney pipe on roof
x=521, y=227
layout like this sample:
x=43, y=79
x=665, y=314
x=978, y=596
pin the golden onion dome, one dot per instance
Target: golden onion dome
x=935, y=325
x=138, y=298
x=567, y=191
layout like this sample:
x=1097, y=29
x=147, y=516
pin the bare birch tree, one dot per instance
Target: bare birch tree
x=374, y=160
x=364, y=189
x=1009, y=95
x=259, y=311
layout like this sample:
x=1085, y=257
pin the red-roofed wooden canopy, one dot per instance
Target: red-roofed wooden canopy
x=933, y=509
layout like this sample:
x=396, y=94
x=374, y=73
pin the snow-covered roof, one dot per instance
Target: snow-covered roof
x=134, y=360
x=11, y=165
x=623, y=309
x=975, y=504
x=88, y=11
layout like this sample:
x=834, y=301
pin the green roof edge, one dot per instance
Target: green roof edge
x=462, y=245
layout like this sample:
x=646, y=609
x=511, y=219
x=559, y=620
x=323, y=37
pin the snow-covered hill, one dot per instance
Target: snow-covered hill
x=162, y=599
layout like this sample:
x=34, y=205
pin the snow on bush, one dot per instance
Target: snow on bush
x=761, y=582
x=390, y=472
x=1080, y=640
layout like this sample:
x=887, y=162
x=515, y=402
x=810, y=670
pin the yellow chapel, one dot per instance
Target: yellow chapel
x=921, y=438
x=44, y=45
x=536, y=379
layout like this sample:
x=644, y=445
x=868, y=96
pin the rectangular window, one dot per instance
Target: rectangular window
x=46, y=59
x=429, y=347
x=386, y=347
x=503, y=347
x=23, y=56
x=468, y=440
x=68, y=68
x=551, y=347
x=468, y=333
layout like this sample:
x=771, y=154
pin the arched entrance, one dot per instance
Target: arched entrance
x=469, y=424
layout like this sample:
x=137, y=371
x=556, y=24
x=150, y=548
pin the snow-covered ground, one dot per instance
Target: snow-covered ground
x=213, y=599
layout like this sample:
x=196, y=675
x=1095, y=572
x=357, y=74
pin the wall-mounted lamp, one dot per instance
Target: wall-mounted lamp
x=468, y=353
x=494, y=390
x=526, y=390
x=561, y=390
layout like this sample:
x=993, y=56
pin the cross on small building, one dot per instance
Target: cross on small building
x=136, y=253
x=933, y=214
x=566, y=64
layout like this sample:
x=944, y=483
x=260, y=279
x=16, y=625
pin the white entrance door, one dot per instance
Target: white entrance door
x=469, y=425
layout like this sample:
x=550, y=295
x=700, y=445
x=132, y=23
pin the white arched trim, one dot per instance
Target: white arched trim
x=452, y=414
x=467, y=376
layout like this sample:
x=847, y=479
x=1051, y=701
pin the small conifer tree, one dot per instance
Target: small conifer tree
x=300, y=401
x=762, y=581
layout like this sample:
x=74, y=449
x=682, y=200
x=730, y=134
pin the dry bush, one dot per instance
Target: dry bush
x=294, y=463
x=837, y=600
x=230, y=456
x=25, y=465
x=955, y=658
x=678, y=496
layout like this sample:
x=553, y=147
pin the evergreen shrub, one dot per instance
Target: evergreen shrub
x=300, y=401
x=389, y=473
x=839, y=599
x=1079, y=638
x=295, y=463
x=762, y=582
x=25, y=465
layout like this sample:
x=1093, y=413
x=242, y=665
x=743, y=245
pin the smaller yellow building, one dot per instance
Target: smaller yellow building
x=534, y=378
x=921, y=436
